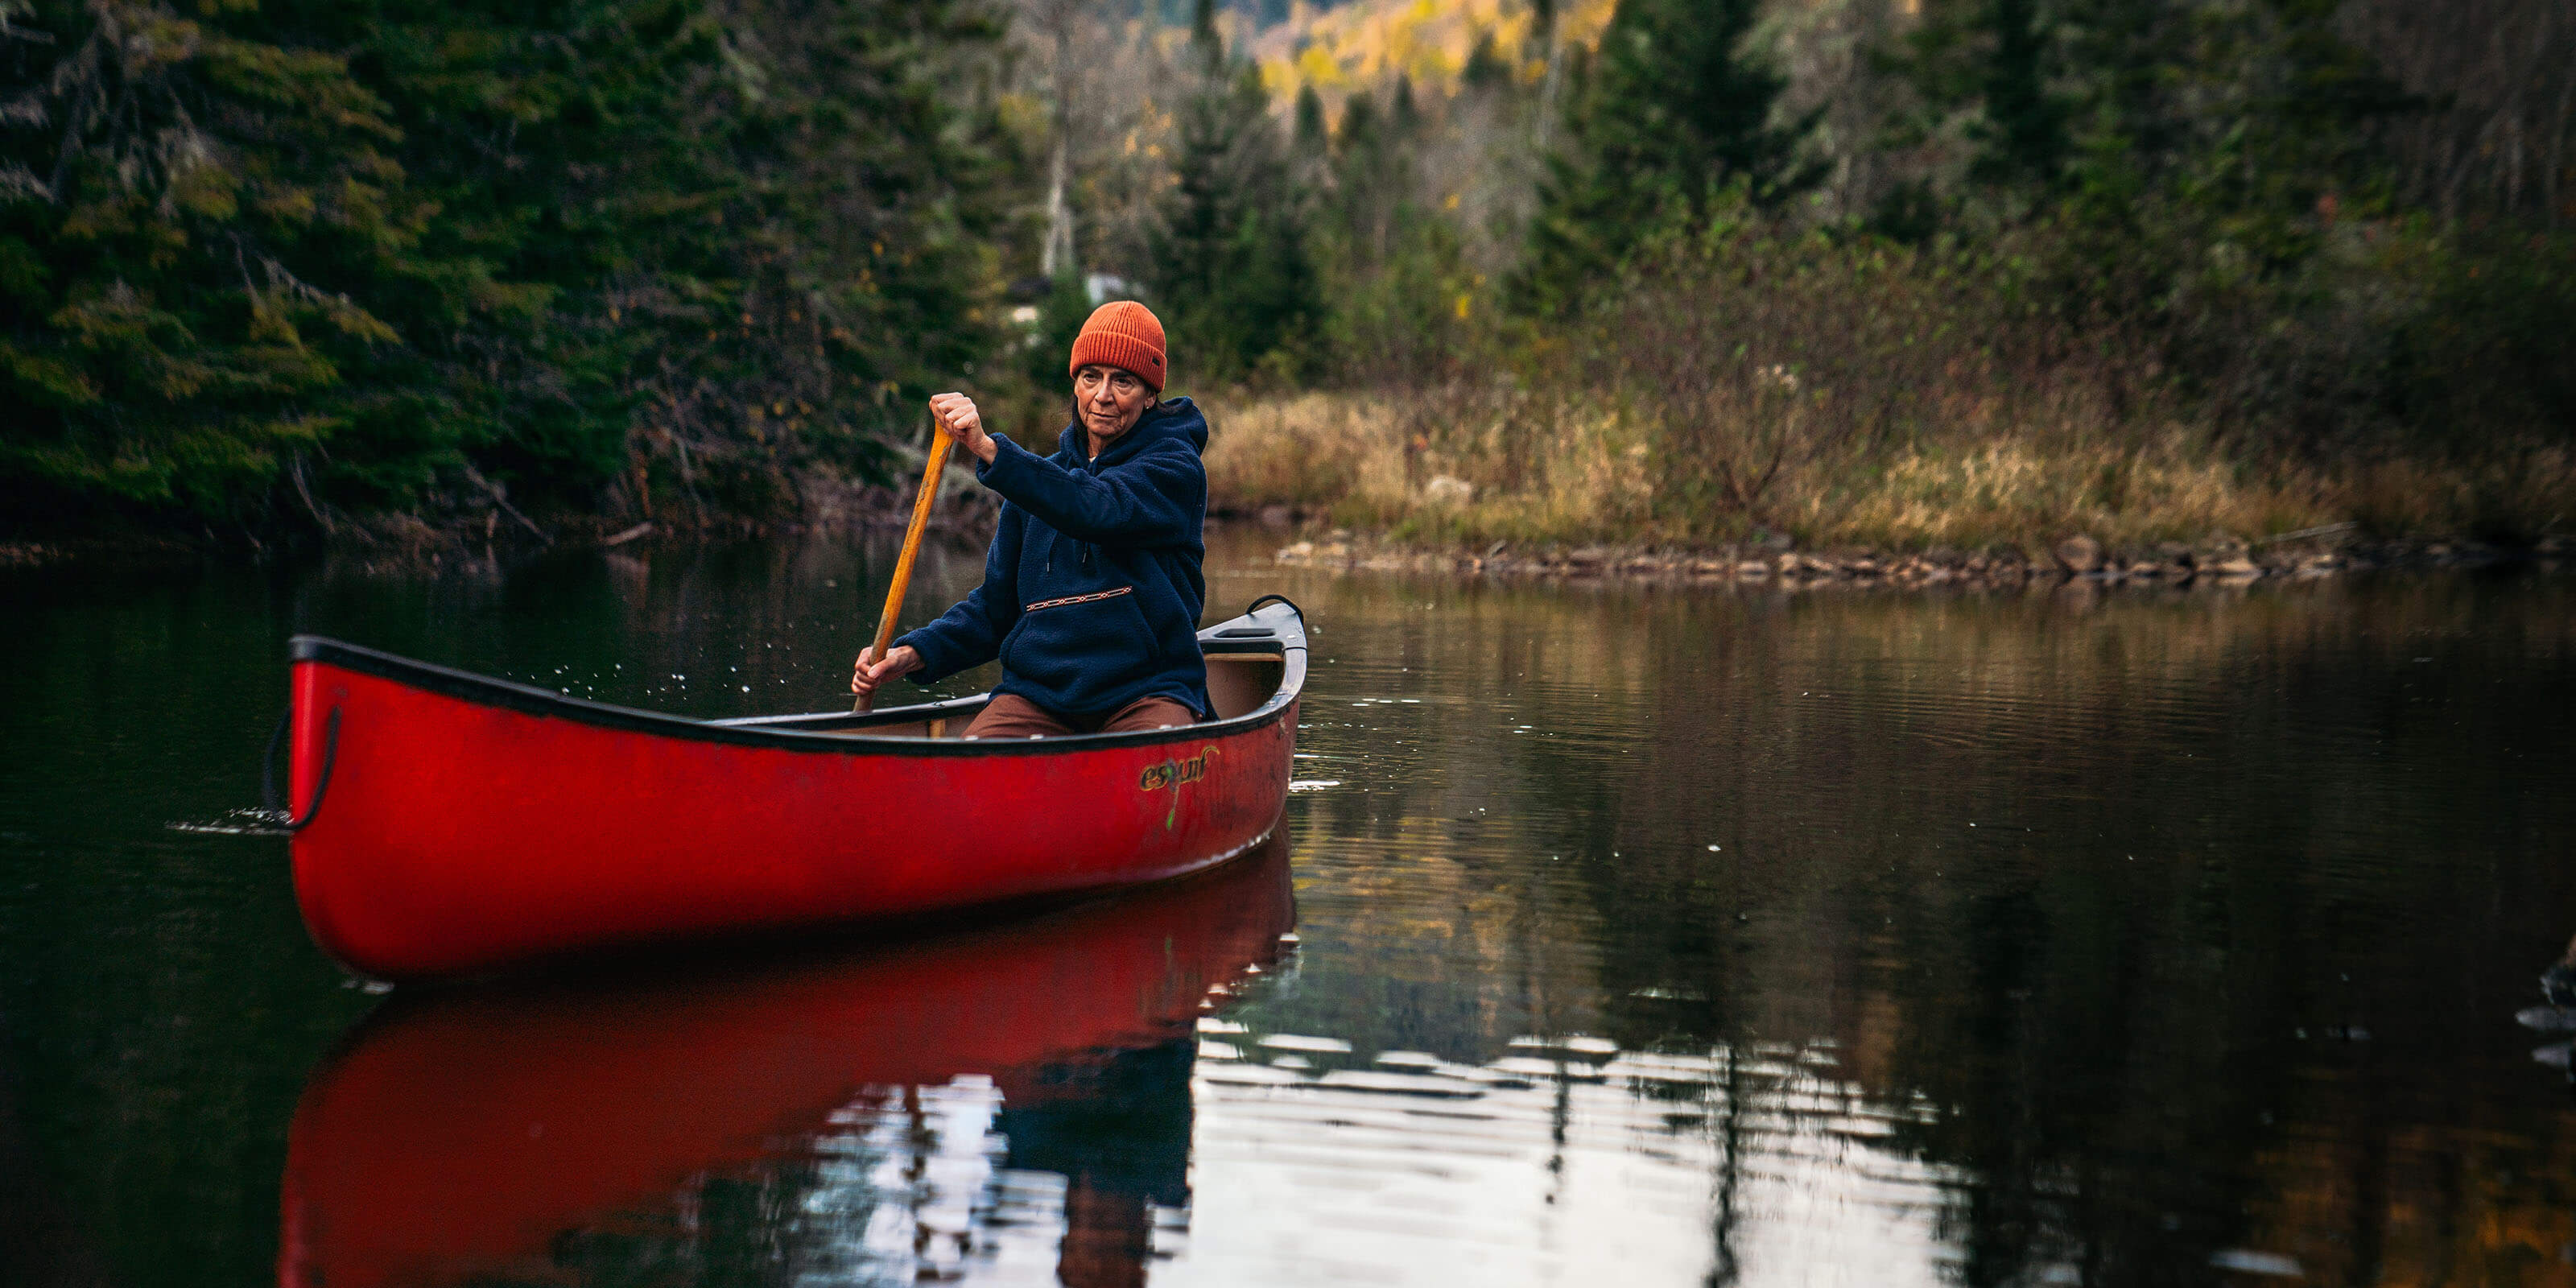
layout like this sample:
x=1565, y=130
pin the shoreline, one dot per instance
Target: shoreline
x=2300, y=556
x=829, y=506
x=2331, y=551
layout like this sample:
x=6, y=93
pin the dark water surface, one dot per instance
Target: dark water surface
x=1622, y=935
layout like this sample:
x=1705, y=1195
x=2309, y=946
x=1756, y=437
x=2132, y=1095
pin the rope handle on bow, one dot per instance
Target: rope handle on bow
x=268, y=793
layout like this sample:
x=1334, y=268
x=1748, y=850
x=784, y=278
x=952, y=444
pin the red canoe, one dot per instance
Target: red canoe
x=461, y=1140
x=450, y=823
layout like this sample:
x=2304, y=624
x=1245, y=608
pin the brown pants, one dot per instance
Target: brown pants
x=1010, y=716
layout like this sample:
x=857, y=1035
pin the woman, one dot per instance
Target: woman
x=1092, y=589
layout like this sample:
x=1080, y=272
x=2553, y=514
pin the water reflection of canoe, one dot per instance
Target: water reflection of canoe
x=463, y=1139
x=457, y=822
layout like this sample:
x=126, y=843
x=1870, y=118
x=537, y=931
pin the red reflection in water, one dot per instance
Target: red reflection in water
x=458, y=1138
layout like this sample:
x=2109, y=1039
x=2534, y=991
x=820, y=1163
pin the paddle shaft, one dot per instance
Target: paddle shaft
x=886, y=620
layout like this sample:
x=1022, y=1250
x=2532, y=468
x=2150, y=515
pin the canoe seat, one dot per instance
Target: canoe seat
x=1238, y=683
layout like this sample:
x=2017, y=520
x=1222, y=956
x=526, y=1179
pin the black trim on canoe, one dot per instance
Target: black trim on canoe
x=1278, y=630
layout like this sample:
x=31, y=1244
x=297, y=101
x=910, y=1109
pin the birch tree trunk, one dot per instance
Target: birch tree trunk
x=1055, y=258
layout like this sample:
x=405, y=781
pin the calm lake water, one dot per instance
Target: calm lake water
x=1621, y=935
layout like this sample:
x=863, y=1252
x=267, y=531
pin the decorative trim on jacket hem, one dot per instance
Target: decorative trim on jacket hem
x=1079, y=599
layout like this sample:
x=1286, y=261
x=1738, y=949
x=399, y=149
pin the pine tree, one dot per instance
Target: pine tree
x=2195, y=130
x=854, y=256
x=1485, y=71
x=1310, y=150
x=2024, y=129
x=283, y=257
x=187, y=223
x=1372, y=177
x=1309, y=135
x=1403, y=113
x=1231, y=274
x=1672, y=111
x=1991, y=60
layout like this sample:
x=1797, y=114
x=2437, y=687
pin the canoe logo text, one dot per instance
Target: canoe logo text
x=1173, y=773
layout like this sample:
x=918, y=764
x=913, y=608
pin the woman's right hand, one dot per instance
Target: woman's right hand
x=869, y=673
x=958, y=415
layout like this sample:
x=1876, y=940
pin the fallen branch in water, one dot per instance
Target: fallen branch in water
x=310, y=505
x=2307, y=532
x=475, y=476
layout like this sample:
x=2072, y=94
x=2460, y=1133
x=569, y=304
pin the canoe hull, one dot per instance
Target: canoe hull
x=458, y=833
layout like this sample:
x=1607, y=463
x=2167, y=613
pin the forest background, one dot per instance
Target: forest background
x=1903, y=272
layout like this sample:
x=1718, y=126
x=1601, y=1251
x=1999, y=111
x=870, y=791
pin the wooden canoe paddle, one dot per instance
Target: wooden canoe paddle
x=939, y=441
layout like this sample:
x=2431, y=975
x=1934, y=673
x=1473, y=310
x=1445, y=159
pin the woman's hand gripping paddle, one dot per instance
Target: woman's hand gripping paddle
x=939, y=442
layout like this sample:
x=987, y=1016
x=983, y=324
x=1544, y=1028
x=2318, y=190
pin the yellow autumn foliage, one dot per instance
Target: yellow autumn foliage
x=1369, y=43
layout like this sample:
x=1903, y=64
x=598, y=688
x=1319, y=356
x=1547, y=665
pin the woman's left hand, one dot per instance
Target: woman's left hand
x=904, y=659
x=957, y=414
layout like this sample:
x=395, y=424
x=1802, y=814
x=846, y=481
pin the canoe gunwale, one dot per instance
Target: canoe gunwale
x=1286, y=641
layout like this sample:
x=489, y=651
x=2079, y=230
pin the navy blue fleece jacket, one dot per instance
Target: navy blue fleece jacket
x=1092, y=589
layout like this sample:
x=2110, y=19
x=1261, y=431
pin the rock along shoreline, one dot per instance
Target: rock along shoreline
x=2306, y=555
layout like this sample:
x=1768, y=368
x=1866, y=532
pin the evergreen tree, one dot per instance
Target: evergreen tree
x=2134, y=104
x=288, y=256
x=1310, y=150
x=1673, y=111
x=864, y=181
x=2130, y=71
x=200, y=230
x=2194, y=129
x=1371, y=179
x=1310, y=135
x=1485, y=71
x=1207, y=45
x=2303, y=106
x=1403, y=113
x=1991, y=59
x=1360, y=139
x=2024, y=134
x=1230, y=270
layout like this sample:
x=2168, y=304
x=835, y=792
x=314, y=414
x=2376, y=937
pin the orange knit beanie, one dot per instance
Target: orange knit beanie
x=1125, y=335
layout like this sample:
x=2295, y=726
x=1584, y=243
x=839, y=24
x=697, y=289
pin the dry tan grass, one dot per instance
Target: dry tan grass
x=2017, y=491
x=1308, y=451
x=1366, y=461
x=2527, y=488
x=1573, y=472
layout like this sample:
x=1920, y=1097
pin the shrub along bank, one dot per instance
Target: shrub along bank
x=1749, y=384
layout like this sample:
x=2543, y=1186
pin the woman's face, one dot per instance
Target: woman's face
x=1108, y=400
